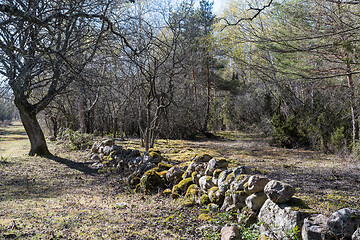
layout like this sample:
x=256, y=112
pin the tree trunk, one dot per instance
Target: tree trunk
x=33, y=129
x=354, y=112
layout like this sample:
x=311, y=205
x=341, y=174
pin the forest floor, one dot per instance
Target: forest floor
x=62, y=198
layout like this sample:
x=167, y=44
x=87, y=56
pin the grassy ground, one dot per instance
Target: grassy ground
x=62, y=198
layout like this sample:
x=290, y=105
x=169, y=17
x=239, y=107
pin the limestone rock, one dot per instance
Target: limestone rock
x=344, y=222
x=242, y=170
x=246, y=217
x=216, y=175
x=315, y=228
x=95, y=147
x=256, y=184
x=239, y=182
x=202, y=158
x=221, y=182
x=151, y=181
x=230, y=233
x=215, y=196
x=174, y=174
x=356, y=235
x=280, y=219
x=214, y=164
x=256, y=200
x=182, y=186
x=95, y=157
x=108, y=142
x=279, y=192
x=233, y=200
x=205, y=183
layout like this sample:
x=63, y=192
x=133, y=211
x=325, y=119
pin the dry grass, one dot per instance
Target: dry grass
x=62, y=198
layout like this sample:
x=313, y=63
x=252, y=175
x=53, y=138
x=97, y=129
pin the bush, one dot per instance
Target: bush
x=79, y=140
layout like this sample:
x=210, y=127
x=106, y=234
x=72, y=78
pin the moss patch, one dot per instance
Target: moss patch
x=182, y=185
x=204, y=200
x=204, y=217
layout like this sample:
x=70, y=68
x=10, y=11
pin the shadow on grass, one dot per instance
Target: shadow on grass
x=82, y=167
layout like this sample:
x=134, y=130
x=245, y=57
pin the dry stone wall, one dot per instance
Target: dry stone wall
x=209, y=182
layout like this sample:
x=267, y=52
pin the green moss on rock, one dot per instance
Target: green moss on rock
x=164, y=166
x=182, y=185
x=151, y=181
x=163, y=173
x=167, y=192
x=217, y=173
x=204, y=217
x=203, y=157
x=204, y=200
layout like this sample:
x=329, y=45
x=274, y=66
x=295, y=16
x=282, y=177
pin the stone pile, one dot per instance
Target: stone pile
x=209, y=182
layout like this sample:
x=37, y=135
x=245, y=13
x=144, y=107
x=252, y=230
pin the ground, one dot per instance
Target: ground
x=62, y=198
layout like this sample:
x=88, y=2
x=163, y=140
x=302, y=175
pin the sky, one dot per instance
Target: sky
x=219, y=6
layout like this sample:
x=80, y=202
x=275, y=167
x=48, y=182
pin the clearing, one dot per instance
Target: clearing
x=62, y=198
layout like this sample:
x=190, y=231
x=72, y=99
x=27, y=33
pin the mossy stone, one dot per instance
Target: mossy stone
x=154, y=154
x=182, y=185
x=204, y=200
x=151, y=181
x=229, y=178
x=164, y=166
x=163, y=173
x=192, y=192
x=167, y=192
x=212, y=194
x=204, y=217
x=137, y=188
x=217, y=173
x=212, y=207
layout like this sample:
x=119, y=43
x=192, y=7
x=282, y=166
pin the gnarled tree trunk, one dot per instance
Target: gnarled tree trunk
x=32, y=127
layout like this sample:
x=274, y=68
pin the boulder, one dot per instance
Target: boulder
x=205, y=183
x=239, y=199
x=234, y=200
x=204, y=200
x=174, y=174
x=194, y=167
x=212, y=207
x=228, y=204
x=242, y=170
x=196, y=177
x=278, y=220
x=216, y=175
x=144, y=167
x=255, y=200
x=107, y=142
x=230, y=233
x=215, y=196
x=202, y=158
x=182, y=186
x=106, y=150
x=246, y=217
x=151, y=181
x=239, y=182
x=314, y=228
x=214, y=164
x=279, y=192
x=344, y=222
x=256, y=184
x=95, y=147
x=191, y=194
x=95, y=157
x=356, y=235
x=222, y=183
